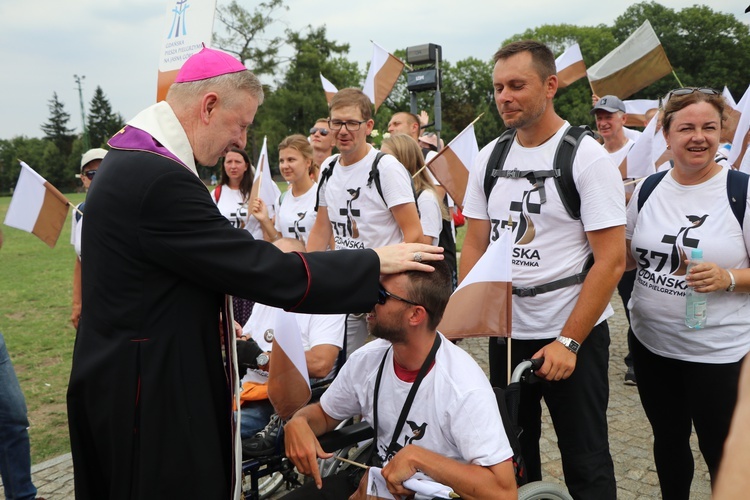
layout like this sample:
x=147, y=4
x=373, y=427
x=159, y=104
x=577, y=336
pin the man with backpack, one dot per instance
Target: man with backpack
x=360, y=206
x=557, y=190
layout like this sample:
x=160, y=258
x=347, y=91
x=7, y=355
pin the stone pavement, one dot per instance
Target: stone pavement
x=629, y=436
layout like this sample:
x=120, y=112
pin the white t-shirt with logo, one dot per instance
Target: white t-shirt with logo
x=674, y=220
x=296, y=215
x=430, y=215
x=76, y=226
x=548, y=244
x=315, y=329
x=359, y=217
x=233, y=206
x=454, y=412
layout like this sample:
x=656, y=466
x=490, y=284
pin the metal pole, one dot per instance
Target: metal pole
x=438, y=102
x=85, y=135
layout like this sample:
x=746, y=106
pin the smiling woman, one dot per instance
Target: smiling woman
x=687, y=377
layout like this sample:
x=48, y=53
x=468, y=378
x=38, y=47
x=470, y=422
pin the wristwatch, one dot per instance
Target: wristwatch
x=262, y=359
x=569, y=344
x=732, y=285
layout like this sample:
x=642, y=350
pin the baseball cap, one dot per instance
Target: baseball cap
x=208, y=63
x=91, y=155
x=609, y=103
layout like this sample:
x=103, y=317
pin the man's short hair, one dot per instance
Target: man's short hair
x=224, y=85
x=352, y=97
x=411, y=118
x=431, y=290
x=541, y=56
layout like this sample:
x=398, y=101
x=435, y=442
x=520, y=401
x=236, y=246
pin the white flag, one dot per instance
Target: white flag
x=288, y=379
x=641, y=157
x=451, y=165
x=329, y=88
x=728, y=97
x=481, y=305
x=263, y=185
x=739, y=135
x=37, y=207
x=384, y=71
x=570, y=66
x=637, y=63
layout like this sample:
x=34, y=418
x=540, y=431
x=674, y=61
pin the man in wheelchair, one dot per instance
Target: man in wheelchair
x=430, y=404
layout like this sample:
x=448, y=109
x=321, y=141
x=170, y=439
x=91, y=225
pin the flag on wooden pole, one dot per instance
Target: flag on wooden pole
x=636, y=110
x=570, y=66
x=329, y=88
x=481, y=305
x=288, y=379
x=263, y=185
x=637, y=63
x=37, y=207
x=451, y=165
x=385, y=68
x=187, y=26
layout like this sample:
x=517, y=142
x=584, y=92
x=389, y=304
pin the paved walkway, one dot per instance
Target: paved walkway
x=629, y=434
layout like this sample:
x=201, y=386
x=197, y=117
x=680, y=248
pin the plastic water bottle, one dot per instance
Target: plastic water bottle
x=695, y=310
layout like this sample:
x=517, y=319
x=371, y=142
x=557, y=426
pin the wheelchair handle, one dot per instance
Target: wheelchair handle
x=526, y=369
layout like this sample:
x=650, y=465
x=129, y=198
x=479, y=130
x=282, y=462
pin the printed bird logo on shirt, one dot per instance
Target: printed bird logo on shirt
x=680, y=241
x=297, y=230
x=526, y=231
x=351, y=224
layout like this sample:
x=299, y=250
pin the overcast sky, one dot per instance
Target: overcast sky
x=115, y=43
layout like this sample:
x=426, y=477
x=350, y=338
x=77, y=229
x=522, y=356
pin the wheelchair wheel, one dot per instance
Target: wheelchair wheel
x=267, y=485
x=543, y=490
x=357, y=453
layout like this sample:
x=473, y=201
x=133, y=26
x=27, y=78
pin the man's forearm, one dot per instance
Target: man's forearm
x=470, y=481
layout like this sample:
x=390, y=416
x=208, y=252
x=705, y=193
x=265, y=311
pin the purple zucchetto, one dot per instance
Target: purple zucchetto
x=208, y=63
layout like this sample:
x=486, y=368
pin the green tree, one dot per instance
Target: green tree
x=103, y=123
x=244, y=34
x=56, y=129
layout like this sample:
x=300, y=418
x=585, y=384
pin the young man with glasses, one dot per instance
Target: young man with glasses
x=90, y=162
x=322, y=142
x=350, y=208
x=451, y=430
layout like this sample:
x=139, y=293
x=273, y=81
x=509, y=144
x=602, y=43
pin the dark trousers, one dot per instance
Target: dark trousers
x=335, y=487
x=677, y=395
x=625, y=289
x=578, y=407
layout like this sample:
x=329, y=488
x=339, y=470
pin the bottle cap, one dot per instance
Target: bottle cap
x=697, y=253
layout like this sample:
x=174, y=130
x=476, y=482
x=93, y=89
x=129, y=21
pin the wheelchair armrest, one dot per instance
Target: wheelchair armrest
x=346, y=436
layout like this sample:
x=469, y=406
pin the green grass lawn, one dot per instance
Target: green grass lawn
x=35, y=299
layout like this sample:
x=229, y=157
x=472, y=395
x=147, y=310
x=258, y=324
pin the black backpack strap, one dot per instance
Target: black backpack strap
x=497, y=160
x=648, y=185
x=566, y=151
x=324, y=176
x=737, y=193
x=375, y=175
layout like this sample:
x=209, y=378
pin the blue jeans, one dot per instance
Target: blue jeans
x=255, y=417
x=15, y=455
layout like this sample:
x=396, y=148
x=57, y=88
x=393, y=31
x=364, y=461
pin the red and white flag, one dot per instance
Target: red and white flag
x=288, y=379
x=263, y=184
x=570, y=66
x=385, y=68
x=37, y=207
x=451, y=165
x=329, y=88
x=481, y=305
x=637, y=63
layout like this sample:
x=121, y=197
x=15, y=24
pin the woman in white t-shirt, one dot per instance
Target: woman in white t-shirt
x=689, y=377
x=295, y=214
x=431, y=210
x=233, y=191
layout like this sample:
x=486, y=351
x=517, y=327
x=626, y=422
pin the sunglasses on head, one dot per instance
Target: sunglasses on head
x=90, y=174
x=384, y=295
x=323, y=131
x=691, y=90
